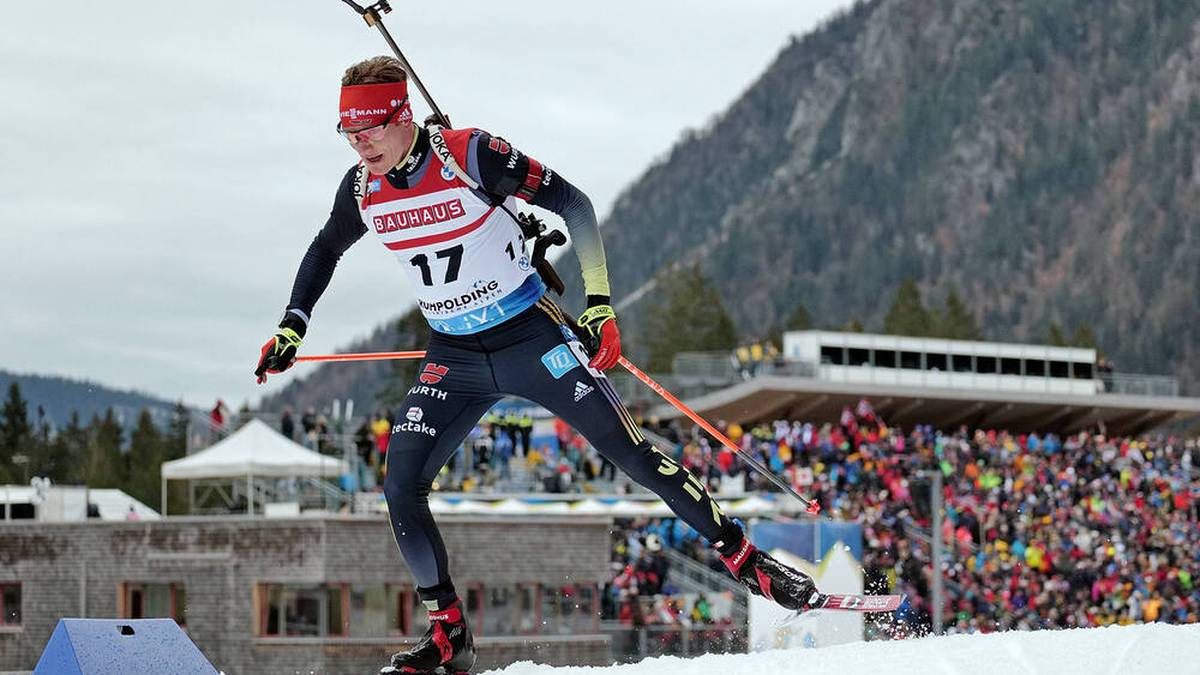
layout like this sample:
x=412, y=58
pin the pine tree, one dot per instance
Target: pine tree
x=175, y=441
x=689, y=317
x=1084, y=337
x=175, y=444
x=72, y=442
x=105, y=467
x=956, y=322
x=45, y=458
x=145, y=461
x=15, y=433
x=799, y=319
x=1055, y=335
x=908, y=315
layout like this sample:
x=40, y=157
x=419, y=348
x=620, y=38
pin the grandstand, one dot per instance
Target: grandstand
x=944, y=383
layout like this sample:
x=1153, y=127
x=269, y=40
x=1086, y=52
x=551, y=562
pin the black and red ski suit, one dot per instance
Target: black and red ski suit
x=495, y=332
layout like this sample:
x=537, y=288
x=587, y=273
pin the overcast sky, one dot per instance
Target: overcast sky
x=163, y=166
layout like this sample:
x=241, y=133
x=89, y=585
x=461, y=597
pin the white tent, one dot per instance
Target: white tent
x=255, y=450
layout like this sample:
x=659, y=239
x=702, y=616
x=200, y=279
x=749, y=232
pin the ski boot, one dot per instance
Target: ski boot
x=446, y=649
x=768, y=578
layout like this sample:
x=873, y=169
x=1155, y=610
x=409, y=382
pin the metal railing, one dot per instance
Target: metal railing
x=704, y=365
x=631, y=644
x=720, y=368
x=1129, y=384
x=692, y=576
x=202, y=433
x=632, y=391
x=705, y=577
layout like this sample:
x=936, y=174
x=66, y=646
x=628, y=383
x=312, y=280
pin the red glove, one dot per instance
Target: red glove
x=610, y=346
x=600, y=324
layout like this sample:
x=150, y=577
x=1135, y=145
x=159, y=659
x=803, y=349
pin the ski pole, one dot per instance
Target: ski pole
x=363, y=356
x=810, y=505
x=373, y=15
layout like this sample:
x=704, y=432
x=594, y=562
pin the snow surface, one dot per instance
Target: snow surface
x=1153, y=649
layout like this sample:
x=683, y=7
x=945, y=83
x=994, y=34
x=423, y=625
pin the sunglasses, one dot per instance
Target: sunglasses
x=371, y=133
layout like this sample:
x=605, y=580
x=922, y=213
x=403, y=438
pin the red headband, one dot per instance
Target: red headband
x=368, y=105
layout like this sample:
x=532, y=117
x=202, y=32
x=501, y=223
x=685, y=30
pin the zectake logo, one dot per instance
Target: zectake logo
x=582, y=390
x=415, y=414
x=432, y=373
x=422, y=390
x=447, y=173
x=415, y=427
x=559, y=361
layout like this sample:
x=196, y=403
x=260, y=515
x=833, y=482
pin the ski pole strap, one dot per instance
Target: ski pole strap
x=438, y=143
x=360, y=184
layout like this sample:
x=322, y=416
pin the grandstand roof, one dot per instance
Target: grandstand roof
x=809, y=399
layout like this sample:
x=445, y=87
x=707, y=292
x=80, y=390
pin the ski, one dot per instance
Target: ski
x=858, y=603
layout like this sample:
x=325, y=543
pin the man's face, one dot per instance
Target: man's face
x=381, y=148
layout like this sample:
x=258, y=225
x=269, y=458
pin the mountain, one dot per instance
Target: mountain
x=58, y=397
x=1039, y=157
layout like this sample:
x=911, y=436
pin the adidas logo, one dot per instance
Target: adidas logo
x=582, y=390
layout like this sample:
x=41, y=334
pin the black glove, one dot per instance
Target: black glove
x=279, y=353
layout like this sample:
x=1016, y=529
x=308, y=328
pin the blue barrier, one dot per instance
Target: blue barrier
x=121, y=647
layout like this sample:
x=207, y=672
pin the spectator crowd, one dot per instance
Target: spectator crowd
x=1042, y=531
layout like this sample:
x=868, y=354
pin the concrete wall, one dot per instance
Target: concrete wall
x=75, y=569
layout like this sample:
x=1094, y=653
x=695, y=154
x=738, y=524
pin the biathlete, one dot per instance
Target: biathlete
x=442, y=200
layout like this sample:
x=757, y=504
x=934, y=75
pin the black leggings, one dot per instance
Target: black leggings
x=534, y=356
